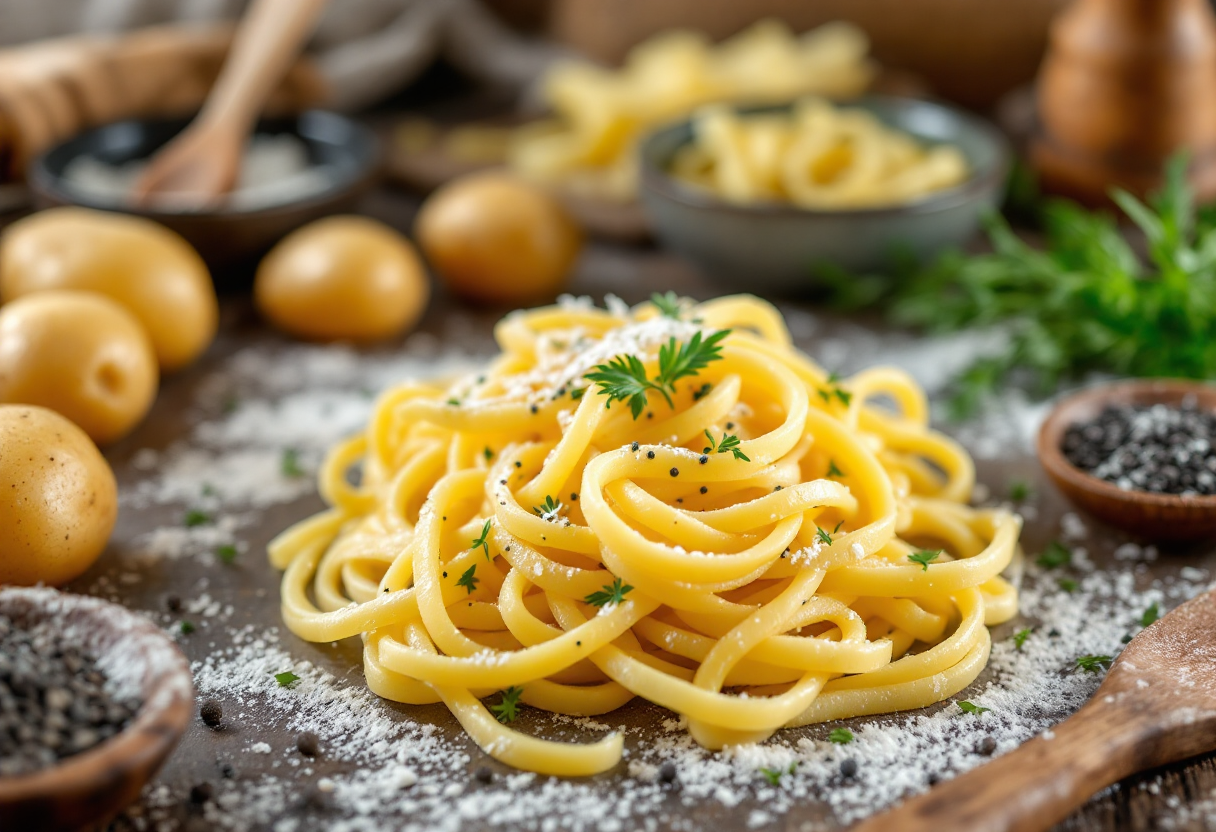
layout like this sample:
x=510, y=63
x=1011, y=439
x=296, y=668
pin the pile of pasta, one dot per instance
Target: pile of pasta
x=815, y=156
x=772, y=547
x=599, y=114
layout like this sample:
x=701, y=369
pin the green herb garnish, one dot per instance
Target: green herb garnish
x=1088, y=302
x=1054, y=556
x=773, y=775
x=508, y=709
x=972, y=708
x=286, y=679
x=289, y=465
x=487, y=453
x=1067, y=584
x=577, y=393
x=483, y=541
x=613, y=594
x=824, y=535
x=833, y=471
x=187, y=627
x=925, y=557
x=624, y=377
x=195, y=517
x=454, y=402
x=840, y=736
x=1019, y=491
x=469, y=579
x=1019, y=638
x=549, y=507
x=667, y=303
x=1150, y=615
x=729, y=443
x=226, y=552
x=1094, y=664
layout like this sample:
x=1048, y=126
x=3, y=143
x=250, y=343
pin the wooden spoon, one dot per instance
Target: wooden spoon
x=202, y=163
x=1156, y=706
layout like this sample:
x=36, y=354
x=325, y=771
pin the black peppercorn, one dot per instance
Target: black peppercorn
x=212, y=713
x=667, y=772
x=483, y=775
x=308, y=743
x=848, y=768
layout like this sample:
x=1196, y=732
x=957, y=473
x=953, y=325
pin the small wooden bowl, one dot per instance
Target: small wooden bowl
x=87, y=790
x=1152, y=516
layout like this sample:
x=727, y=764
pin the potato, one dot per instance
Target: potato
x=496, y=239
x=342, y=278
x=81, y=355
x=144, y=266
x=60, y=497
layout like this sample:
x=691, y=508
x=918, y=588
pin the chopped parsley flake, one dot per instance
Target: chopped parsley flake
x=483, y=541
x=1094, y=664
x=840, y=736
x=925, y=557
x=227, y=553
x=1019, y=638
x=833, y=471
x=469, y=579
x=972, y=708
x=1150, y=615
x=613, y=594
x=1054, y=556
x=195, y=517
x=289, y=465
x=729, y=443
x=508, y=709
x=286, y=679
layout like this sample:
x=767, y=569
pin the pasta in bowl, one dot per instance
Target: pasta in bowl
x=668, y=502
x=764, y=196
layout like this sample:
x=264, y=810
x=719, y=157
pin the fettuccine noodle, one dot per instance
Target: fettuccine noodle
x=518, y=530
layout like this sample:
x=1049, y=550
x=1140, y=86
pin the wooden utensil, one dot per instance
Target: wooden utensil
x=202, y=163
x=1154, y=516
x=1157, y=705
x=1125, y=84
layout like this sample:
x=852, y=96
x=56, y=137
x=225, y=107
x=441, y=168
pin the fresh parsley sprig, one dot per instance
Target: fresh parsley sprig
x=1054, y=556
x=729, y=443
x=667, y=303
x=613, y=594
x=840, y=736
x=624, y=377
x=549, y=508
x=1019, y=638
x=483, y=542
x=925, y=557
x=469, y=579
x=972, y=708
x=1150, y=615
x=1094, y=664
x=508, y=709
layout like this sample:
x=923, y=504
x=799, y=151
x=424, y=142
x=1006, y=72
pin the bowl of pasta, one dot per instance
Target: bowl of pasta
x=773, y=194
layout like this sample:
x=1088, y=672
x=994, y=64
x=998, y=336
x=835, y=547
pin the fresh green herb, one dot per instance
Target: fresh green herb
x=840, y=736
x=454, y=402
x=195, y=517
x=508, y=709
x=624, y=377
x=667, y=303
x=1088, y=302
x=972, y=708
x=845, y=397
x=289, y=465
x=1150, y=615
x=577, y=393
x=702, y=391
x=833, y=471
x=549, y=507
x=825, y=536
x=208, y=490
x=729, y=443
x=469, y=579
x=1067, y=584
x=187, y=627
x=1094, y=664
x=1019, y=638
x=487, y=453
x=1019, y=491
x=773, y=775
x=286, y=679
x=226, y=552
x=925, y=557
x=1054, y=556
x=483, y=541
x=613, y=594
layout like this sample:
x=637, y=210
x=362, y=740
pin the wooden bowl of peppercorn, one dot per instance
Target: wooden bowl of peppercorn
x=93, y=697
x=1134, y=455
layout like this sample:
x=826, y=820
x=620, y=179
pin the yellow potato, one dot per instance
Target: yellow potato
x=496, y=239
x=60, y=497
x=144, y=266
x=342, y=278
x=81, y=355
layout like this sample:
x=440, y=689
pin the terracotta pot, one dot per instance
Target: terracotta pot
x=1125, y=84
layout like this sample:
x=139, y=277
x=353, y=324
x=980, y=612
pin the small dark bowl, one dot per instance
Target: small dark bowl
x=1165, y=517
x=775, y=247
x=86, y=790
x=222, y=236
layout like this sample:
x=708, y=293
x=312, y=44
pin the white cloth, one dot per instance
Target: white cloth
x=366, y=49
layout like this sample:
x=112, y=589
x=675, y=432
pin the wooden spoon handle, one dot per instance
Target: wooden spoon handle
x=1032, y=788
x=265, y=44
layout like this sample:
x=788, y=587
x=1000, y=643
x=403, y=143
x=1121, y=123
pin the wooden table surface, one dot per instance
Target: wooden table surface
x=1144, y=803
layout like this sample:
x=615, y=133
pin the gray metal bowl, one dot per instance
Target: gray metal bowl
x=777, y=247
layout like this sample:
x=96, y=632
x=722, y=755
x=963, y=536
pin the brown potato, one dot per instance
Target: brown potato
x=496, y=239
x=342, y=278
x=60, y=497
x=81, y=355
x=144, y=266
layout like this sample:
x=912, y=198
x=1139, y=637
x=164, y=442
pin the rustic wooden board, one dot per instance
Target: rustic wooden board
x=251, y=585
